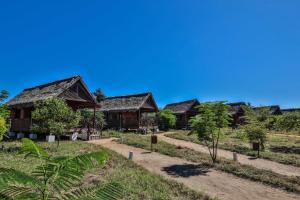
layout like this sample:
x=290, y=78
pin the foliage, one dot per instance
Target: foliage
x=261, y=117
x=4, y=112
x=166, y=119
x=208, y=124
x=3, y=128
x=54, y=116
x=3, y=95
x=87, y=119
x=56, y=177
x=99, y=95
x=256, y=134
x=289, y=122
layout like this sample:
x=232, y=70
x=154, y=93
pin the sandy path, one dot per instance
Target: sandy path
x=212, y=182
x=279, y=168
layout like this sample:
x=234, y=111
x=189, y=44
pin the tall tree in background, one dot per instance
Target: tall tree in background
x=4, y=114
x=99, y=95
x=208, y=124
x=3, y=95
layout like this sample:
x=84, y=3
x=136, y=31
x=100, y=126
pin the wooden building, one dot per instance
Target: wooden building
x=125, y=112
x=184, y=111
x=274, y=109
x=289, y=110
x=237, y=113
x=73, y=90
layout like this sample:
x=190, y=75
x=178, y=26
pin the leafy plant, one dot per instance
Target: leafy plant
x=56, y=177
x=208, y=124
x=166, y=119
x=289, y=122
x=99, y=95
x=3, y=128
x=87, y=120
x=54, y=116
x=256, y=134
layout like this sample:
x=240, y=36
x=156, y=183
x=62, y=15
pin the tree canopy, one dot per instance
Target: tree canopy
x=54, y=116
x=208, y=124
x=166, y=119
x=99, y=95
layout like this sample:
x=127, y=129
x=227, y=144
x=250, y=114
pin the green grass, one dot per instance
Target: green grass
x=291, y=184
x=137, y=182
x=279, y=148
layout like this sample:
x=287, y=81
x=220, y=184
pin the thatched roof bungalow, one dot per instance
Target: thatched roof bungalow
x=125, y=112
x=274, y=109
x=184, y=111
x=289, y=110
x=73, y=90
x=237, y=113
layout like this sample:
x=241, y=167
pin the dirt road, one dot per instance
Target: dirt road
x=279, y=168
x=197, y=177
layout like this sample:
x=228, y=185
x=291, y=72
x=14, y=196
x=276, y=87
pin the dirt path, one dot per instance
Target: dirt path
x=212, y=182
x=279, y=168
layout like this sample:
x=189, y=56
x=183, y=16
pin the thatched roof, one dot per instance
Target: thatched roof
x=53, y=89
x=236, y=107
x=287, y=110
x=182, y=107
x=274, y=109
x=131, y=102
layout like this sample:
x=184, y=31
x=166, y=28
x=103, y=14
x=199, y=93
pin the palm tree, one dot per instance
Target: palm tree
x=56, y=177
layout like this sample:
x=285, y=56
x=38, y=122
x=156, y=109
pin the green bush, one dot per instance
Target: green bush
x=3, y=128
x=167, y=119
x=289, y=122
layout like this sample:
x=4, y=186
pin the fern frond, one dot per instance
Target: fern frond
x=12, y=176
x=18, y=192
x=111, y=191
x=32, y=149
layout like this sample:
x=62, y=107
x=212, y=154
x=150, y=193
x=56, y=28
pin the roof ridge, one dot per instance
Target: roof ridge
x=129, y=95
x=182, y=102
x=52, y=82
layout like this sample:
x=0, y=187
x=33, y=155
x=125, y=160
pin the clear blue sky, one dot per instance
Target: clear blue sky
x=235, y=50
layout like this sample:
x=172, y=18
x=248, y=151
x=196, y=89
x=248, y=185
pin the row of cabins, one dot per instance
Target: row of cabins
x=121, y=112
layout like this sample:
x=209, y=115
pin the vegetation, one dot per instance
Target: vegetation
x=279, y=148
x=208, y=124
x=87, y=120
x=55, y=178
x=244, y=171
x=99, y=95
x=289, y=122
x=166, y=119
x=4, y=114
x=137, y=182
x=54, y=116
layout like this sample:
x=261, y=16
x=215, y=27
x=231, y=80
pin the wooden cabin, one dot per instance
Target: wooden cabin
x=237, y=113
x=184, y=111
x=274, y=109
x=289, y=110
x=73, y=90
x=125, y=112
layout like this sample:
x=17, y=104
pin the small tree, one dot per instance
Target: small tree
x=166, y=119
x=87, y=120
x=99, y=95
x=4, y=112
x=208, y=124
x=54, y=116
x=256, y=134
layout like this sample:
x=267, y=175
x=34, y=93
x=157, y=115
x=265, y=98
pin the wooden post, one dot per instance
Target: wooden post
x=120, y=120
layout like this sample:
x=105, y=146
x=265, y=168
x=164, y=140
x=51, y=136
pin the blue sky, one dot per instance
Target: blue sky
x=235, y=50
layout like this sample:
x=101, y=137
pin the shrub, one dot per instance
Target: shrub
x=3, y=128
x=167, y=119
x=289, y=122
x=54, y=116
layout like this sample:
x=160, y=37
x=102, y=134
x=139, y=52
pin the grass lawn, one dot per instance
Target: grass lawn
x=245, y=171
x=138, y=183
x=279, y=148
